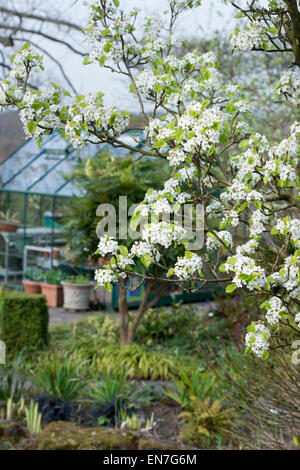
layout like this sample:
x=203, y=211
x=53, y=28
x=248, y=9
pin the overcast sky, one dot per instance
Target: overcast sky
x=200, y=22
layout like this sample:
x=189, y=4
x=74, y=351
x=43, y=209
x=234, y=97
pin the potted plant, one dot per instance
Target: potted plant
x=9, y=222
x=32, y=278
x=77, y=292
x=52, y=288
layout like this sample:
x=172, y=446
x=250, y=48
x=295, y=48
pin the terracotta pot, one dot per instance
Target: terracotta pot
x=77, y=296
x=31, y=287
x=56, y=253
x=8, y=227
x=54, y=294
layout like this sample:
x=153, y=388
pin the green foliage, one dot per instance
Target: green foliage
x=112, y=388
x=33, y=274
x=23, y=321
x=179, y=327
x=266, y=395
x=80, y=279
x=33, y=418
x=162, y=324
x=12, y=384
x=59, y=377
x=9, y=217
x=196, y=383
x=207, y=423
x=101, y=180
x=54, y=276
x=140, y=362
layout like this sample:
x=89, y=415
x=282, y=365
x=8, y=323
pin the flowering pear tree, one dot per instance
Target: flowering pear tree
x=196, y=121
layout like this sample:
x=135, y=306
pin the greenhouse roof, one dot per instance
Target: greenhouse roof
x=33, y=170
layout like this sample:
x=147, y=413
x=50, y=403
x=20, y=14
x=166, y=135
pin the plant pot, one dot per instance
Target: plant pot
x=55, y=253
x=31, y=287
x=8, y=227
x=76, y=296
x=54, y=294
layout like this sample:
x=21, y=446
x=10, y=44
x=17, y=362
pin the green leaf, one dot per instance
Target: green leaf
x=231, y=288
x=170, y=272
x=211, y=150
x=123, y=250
x=135, y=220
x=146, y=260
x=32, y=126
x=265, y=355
x=105, y=32
x=224, y=139
x=86, y=61
x=102, y=60
x=107, y=286
x=251, y=328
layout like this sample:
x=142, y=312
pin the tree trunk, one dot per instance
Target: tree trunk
x=123, y=310
x=127, y=333
x=141, y=310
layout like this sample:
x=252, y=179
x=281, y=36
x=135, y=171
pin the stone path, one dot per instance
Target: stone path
x=60, y=315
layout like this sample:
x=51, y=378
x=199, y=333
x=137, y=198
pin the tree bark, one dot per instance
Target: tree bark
x=141, y=310
x=293, y=30
x=127, y=331
x=123, y=310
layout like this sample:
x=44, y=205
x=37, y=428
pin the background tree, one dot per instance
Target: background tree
x=33, y=22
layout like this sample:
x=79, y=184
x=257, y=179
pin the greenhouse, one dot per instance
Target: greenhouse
x=33, y=190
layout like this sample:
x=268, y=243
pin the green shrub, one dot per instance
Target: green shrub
x=206, y=424
x=111, y=388
x=23, y=321
x=162, y=324
x=181, y=328
x=195, y=383
x=266, y=393
x=59, y=377
x=139, y=361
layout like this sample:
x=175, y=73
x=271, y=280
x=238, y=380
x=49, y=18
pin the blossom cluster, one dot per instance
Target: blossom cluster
x=87, y=112
x=185, y=267
x=214, y=240
x=275, y=310
x=257, y=339
x=164, y=234
x=248, y=38
x=289, y=86
x=247, y=272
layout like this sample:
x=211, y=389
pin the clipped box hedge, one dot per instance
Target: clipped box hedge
x=23, y=321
